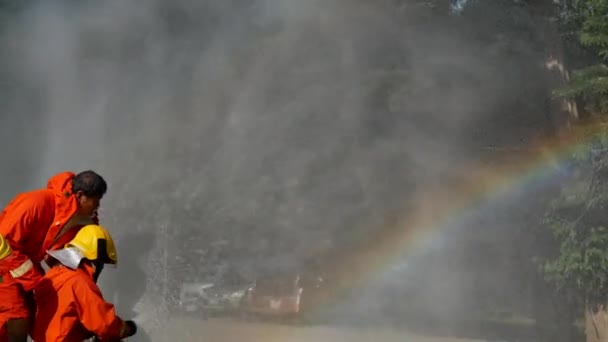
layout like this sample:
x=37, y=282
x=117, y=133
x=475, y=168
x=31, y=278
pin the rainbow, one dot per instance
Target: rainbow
x=437, y=209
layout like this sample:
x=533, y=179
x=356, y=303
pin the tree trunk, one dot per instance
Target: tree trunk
x=596, y=325
x=562, y=113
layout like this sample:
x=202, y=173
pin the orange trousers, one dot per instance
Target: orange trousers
x=13, y=305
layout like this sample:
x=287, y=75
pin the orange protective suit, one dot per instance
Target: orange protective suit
x=70, y=308
x=32, y=223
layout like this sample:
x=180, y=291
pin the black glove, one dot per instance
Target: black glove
x=131, y=328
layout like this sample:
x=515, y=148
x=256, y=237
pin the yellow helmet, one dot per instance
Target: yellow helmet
x=89, y=239
x=5, y=249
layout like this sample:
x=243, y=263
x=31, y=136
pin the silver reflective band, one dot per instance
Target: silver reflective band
x=22, y=269
x=69, y=257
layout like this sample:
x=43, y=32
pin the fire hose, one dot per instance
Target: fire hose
x=131, y=328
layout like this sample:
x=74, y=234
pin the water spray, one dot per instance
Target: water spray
x=458, y=6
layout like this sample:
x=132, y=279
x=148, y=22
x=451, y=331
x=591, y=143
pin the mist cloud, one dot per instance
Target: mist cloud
x=283, y=127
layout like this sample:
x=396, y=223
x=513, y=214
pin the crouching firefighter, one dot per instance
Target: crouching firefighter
x=32, y=223
x=70, y=306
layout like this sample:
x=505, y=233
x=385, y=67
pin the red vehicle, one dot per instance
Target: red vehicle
x=282, y=296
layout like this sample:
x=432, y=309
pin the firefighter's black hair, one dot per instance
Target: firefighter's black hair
x=90, y=183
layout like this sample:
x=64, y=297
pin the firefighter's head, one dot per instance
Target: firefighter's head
x=96, y=247
x=92, y=246
x=89, y=188
x=5, y=248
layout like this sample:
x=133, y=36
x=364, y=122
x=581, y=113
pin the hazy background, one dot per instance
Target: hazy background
x=259, y=134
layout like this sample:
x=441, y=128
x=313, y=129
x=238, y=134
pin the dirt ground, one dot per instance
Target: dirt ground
x=225, y=330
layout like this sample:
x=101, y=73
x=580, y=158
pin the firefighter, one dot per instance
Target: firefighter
x=32, y=223
x=70, y=306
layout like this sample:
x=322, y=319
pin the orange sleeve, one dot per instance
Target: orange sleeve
x=21, y=215
x=16, y=225
x=95, y=314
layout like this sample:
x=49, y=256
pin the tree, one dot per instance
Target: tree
x=589, y=20
x=577, y=222
x=577, y=217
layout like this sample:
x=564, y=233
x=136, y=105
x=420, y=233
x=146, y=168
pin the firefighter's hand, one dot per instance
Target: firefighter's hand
x=131, y=328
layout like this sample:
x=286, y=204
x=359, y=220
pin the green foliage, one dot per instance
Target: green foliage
x=578, y=220
x=594, y=32
x=582, y=265
x=591, y=86
x=589, y=19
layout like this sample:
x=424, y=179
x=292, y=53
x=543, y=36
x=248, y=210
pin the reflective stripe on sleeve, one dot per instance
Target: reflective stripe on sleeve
x=22, y=269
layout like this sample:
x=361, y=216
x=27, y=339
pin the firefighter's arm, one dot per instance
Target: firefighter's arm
x=98, y=316
x=22, y=269
x=15, y=226
x=22, y=214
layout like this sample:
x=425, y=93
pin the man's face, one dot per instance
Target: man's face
x=87, y=205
